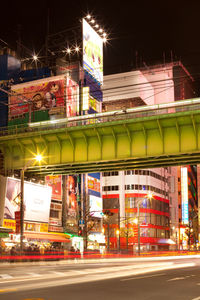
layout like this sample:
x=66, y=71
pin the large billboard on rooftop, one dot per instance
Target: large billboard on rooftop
x=92, y=52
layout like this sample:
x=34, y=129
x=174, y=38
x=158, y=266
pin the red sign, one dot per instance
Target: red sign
x=18, y=220
x=55, y=181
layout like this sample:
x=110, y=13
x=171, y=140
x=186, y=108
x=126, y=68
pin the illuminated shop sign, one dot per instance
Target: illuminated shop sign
x=184, y=195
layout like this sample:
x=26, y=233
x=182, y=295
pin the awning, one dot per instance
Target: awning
x=52, y=237
x=166, y=241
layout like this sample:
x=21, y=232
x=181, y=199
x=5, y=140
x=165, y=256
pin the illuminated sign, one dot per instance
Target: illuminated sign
x=55, y=95
x=44, y=94
x=94, y=184
x=72, y=93
x=85, y=91
x=92, y=52
x=95, y=206
x=184, y=195
x=37, y=200
x=55, y=182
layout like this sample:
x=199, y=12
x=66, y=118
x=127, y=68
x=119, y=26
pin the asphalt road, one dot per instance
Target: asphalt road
x=140, y=279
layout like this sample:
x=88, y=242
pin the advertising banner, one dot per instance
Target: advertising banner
x=44, y=94
x=37, y=200
x=72, y=93
x=184, y=195
x=92, y=52
x=72, y=196
x=3, y=181
x=55, y=182
x=93, y=184
x=95, y=206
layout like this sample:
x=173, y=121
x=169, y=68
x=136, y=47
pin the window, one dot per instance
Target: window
x=54, y=213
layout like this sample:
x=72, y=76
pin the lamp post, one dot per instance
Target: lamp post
x=149, y=196
x=38, y=158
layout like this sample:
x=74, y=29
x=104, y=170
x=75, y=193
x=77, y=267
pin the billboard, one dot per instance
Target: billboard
x=44, y=94
x=72, y=94
x=95, y=206
x=184, y=195
x=55, y=182
x=93, y=184
x=92, y=52
x=37, y=199
x=53, y=94
x=72, y=196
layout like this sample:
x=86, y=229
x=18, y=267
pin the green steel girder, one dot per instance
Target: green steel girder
x=154, y=141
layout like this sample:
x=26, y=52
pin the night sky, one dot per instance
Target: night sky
x=139, y=31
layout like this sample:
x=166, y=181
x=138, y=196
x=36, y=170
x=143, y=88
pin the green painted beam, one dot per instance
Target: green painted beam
x=155, y=141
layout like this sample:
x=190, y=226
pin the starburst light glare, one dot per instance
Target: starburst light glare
x=77, y=49
x=38, y=157
x=104, y=34
x=100, y=30
x=68, y=50
x=88, y=17
x=35, y=57
x=96, y=26
x=92, y=21
x=104, y=39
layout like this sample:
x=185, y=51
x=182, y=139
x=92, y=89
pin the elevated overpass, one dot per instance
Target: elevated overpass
x=142, y=137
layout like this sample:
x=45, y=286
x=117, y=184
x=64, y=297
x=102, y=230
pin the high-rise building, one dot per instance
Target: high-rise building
x=122, y=191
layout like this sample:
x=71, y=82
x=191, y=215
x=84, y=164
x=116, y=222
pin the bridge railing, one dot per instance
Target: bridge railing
x=132, y=113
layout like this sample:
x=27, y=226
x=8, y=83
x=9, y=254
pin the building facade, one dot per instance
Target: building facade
x=158, y=217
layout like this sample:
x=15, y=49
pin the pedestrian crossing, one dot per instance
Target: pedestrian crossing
x=71, y=273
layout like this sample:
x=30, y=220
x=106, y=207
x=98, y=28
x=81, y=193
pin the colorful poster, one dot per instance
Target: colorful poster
x=72, y=196
x=72, y=93
x=93, y=184
x=55, y=182
x=92, y=52
x=46, y=94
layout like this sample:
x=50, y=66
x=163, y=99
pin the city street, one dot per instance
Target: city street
x=120, y=278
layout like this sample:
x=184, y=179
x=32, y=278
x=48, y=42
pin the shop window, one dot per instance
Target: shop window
x=54, y=214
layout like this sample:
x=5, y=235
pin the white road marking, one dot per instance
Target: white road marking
x=141, y=277
x=198, y=298
x=57, y=273
x=177, y=278
x=34, y=274
x=6, y=276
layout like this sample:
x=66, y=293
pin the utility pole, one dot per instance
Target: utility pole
x=64, y=201
x=22, y=212
x=138, y=215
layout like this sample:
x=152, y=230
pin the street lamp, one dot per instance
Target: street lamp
x=37, y=158
x=149, y=196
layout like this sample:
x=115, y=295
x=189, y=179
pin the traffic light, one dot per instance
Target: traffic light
x=80, y=232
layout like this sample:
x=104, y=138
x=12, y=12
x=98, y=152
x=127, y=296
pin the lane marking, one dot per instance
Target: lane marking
x=5, y=276
x=141, y=277
x=198, y=298
x=34, y=274
x=176, y=278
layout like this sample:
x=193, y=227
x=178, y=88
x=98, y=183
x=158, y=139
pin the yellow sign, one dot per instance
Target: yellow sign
x=9, y=224
x=43, y=227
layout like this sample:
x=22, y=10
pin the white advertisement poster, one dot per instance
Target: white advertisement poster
x=37, y=199
x=95, y=206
